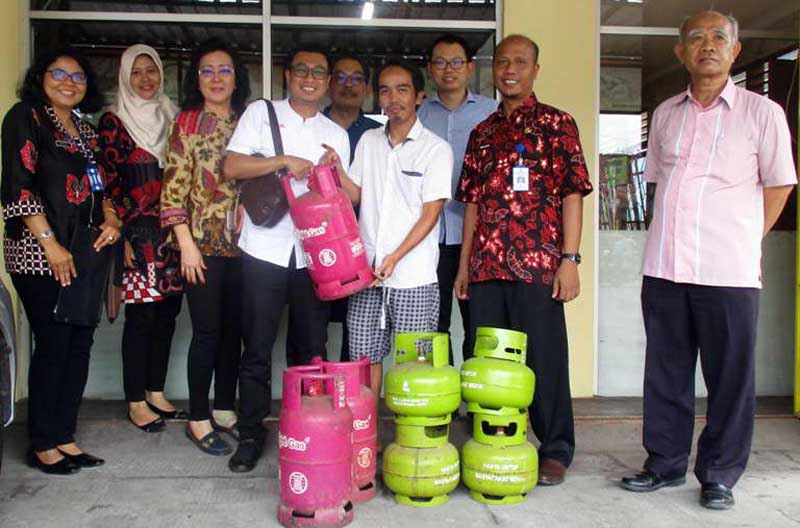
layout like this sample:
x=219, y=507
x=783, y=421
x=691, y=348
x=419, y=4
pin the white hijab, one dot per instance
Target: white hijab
x=147, y=120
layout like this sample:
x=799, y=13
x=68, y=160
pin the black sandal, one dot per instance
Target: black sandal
x=177, y=414
x=156, y=426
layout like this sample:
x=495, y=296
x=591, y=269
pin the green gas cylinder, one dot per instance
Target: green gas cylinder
x=497, y=376
x=500, y=430
x=421, y=431
x=499, y=475
x=421, y=476
x=422, y=383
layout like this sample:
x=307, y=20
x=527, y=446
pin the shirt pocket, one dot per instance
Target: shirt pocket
x=736, y=158
x=410, y=183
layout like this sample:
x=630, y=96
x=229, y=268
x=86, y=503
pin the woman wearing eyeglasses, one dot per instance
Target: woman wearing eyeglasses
x=59, y=224
x=134, y=137
x=200, y=207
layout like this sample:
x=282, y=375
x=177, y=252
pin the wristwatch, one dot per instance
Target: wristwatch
x=45, y=234
x=574, y=257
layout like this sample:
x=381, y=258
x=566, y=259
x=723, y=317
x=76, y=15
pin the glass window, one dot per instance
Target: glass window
x=104, y=42
x=770, y=15
x=409, y=9
x=637, y=72
x=228, y=7
x=374, y=46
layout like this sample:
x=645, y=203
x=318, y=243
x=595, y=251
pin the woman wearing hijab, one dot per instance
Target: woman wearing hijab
x=134, y=135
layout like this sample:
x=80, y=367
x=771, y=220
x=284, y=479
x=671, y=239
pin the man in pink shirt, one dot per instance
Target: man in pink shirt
x=721, y=158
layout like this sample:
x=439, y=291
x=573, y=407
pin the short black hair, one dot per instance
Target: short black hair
x=307, y=48
x=361, y=62
x=32, y=90
x=192, y=97
x=451, y=38
x=399, y=62
x=528, y=40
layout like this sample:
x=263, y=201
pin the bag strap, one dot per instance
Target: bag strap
x=277, y=141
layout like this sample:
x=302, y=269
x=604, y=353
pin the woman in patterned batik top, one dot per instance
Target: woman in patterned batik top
x=134, y=138
x=59, y=224
x=200, y=207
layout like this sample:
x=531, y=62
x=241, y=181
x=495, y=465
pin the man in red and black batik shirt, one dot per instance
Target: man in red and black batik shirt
x=523, y=180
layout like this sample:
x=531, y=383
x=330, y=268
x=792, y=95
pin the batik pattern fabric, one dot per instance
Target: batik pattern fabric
x=194, y=191
x=44, y=172
x=156, y=271
x=518, y=234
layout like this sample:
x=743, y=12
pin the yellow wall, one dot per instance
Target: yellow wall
x=568, y=39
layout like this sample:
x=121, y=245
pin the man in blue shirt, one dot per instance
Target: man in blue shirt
x=348, y=90
x=452, y=114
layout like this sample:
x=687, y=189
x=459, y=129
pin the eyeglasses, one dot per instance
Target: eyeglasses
x=442, y=64
x=208, y=72
x=354, y=78
x=77, y=77
x=301, y=70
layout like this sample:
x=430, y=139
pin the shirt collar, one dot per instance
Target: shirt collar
x=297, y=119
x=526, y=105
x=728, y=94
x=413, y=134
x=471, y=98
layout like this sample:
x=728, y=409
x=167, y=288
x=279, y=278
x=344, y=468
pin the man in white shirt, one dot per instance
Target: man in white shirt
x=401, y=177
x=273, y=267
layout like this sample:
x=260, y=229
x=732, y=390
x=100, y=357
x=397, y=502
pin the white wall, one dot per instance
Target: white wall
x=621, y=333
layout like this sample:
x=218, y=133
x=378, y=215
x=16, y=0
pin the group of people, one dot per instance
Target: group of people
x=455, y=194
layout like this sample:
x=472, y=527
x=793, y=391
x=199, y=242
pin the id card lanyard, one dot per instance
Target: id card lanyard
x=520, y=174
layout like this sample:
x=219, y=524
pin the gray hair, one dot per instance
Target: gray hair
x=731, y=20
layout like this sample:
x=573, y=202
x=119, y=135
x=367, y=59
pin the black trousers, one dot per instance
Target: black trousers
x=59, y=364
x=720, y=323
x=446, y=272
x=215, y=308
x=146, y=342
x=529, y=308
x=338, y=314
x=267, y=288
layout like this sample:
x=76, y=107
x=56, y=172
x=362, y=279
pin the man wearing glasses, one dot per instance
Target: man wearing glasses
x=273, y=268
x=452, y=114
x=348, y=90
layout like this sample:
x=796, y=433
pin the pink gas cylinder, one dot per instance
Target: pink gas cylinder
x=364, y=406
x=328, y=230
x=315, y=450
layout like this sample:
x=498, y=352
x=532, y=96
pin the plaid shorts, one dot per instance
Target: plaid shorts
x=374, y=315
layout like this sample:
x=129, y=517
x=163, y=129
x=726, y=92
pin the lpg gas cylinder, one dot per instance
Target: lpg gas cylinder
x=497, y=376
x=422, y=383
x=499, y=475
x=328, y=230
x=421, y=431
x=315, y=450
x=500, y=430
x=421, y=477
x=364, y=405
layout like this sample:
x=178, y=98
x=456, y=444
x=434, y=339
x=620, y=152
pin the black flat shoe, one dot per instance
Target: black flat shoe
x=84, y=460
x=63, y=467
x=646, y=481
x=156, y=426
x=232, y=431
x=716, y=496
x=177, y=414
x=246, y=456
x=212, y=443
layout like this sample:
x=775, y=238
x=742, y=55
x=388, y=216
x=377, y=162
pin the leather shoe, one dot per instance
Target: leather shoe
x=156, y=426
x=84, y=460
x=647, y=480
x=716, y=496
x=63, y=467
x=246, y=455
x=212, y=443
x=551, y=472
x=177, y=414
